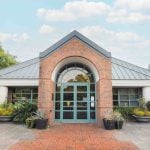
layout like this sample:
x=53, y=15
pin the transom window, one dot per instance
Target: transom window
x=125, y=97
x=74, y=72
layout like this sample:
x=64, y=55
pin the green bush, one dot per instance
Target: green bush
x=148, y=105
x=138, y=112
x=23, y=110
x=147, y=113
x=6, y=109
x=125, y=111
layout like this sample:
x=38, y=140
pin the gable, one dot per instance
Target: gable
x=80, y=37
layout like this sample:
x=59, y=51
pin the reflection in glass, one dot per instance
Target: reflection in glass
x=81, y=115
x=67, y=115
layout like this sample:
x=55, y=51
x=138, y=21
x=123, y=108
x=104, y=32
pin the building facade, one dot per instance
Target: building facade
x=75, y=81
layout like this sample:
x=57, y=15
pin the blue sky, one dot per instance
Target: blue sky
x=119, y=26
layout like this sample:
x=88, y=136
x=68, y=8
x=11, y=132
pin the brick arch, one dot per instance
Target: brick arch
x=75, y=48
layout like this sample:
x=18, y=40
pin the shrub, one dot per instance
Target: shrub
x=148, y=105
x=117, y=116
x=6, y=109
x=147, y=113
x=23, y=110
x=126, y=112
x=138, y=112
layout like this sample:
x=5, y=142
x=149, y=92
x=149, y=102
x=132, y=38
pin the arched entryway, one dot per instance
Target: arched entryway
x=75, y=94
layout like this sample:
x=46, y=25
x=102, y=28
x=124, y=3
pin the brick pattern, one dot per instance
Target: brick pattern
x=75, y=48
x=74, y=137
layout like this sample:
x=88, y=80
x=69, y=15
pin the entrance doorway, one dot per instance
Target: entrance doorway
x=75, y=95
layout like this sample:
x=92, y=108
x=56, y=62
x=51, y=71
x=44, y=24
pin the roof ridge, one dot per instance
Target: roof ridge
x=130, y=68
x=19, y=67
x=80, y=37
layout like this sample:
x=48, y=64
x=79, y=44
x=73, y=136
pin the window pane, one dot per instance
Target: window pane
x=67, y=115
x=82, y=89
x=57, y=97
x=115, y=91
x=124, y=97
x=115, y=97
x=26, y=90
x=34, y=90
x=115, y=103
x=125, y=104
x=68, y=88
x=57, y=106
x=92, y=115
x=35, y=96
x=123, y=91
x=134, y=104
x=81, y=115
x=57, y=115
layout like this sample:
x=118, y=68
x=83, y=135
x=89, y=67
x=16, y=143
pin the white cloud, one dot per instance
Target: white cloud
x=123, y=16
x=46, y=29
x=125, y=45
x=133, y=4
x=74, y=10
x=102, y=34
x=4, y=37
x=121, y=11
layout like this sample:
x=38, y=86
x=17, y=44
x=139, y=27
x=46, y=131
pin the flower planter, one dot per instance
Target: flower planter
x=141, y=118
x=109, y=124
x=6, y=118
x=118, y=124
x=41, y=123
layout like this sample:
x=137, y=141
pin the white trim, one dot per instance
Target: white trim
x=35, y=82
x=131, y=83
x=19, y=82
x=74, y=59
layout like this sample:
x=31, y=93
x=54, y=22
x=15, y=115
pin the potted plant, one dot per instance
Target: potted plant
x=109, y=122
x=142, y=113
x=118, y=119
x=41, y=122
x=23, y=110
x=6, y=112
x=30, y=121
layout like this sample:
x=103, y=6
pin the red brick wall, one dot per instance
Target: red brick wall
x=75, y=48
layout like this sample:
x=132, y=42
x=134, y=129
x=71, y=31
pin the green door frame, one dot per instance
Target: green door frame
x=75, y=120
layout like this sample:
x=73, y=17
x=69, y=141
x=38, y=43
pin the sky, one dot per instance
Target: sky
x=121, y=27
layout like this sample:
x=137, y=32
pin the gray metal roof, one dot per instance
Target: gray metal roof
x=25, y=70
x=75, y=34
x=121, y=70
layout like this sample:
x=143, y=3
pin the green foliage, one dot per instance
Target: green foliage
x=117, y=116
x=140, y=112
x=30, y=121
x=23, y=110
x=6, y=109
x=142, y=103
x=147, y=113
x=148, y=105
x=126, y=112
x=6, y=59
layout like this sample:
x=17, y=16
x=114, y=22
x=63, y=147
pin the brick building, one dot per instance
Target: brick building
x=75, y=81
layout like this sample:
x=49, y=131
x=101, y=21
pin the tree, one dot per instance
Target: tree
x=6, y=59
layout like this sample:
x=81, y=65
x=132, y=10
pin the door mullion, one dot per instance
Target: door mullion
x=61, y=102
x=75, y=102
x=88, y=102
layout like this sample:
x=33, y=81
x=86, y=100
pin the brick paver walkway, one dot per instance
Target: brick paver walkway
x=74, y=137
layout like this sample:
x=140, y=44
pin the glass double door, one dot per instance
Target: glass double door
x=75, y=98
